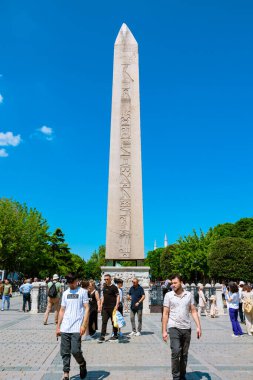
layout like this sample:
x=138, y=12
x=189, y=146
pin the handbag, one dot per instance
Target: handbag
x=120, y=320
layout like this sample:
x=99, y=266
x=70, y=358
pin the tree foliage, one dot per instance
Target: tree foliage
x=232, y=259
x=166, y=259
x=23, y=237
x=27, y=246
x=93, y=265
x=153, y=260
x=189, y=256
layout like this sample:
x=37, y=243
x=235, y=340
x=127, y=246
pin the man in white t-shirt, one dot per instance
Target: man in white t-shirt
x=72, y=323
x=177, y=306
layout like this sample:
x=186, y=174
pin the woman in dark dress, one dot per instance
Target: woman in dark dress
x=95, y=308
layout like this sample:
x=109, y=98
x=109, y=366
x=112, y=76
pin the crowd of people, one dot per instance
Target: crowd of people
x=76, y=311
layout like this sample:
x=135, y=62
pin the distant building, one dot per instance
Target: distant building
x=165, y=241
x=165, y=244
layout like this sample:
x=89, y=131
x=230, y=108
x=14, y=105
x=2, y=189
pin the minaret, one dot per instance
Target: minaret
x=155, y=247
x=165, y=241
x=124, y=235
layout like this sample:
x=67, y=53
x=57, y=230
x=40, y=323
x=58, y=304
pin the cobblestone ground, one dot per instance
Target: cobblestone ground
x=29, y=350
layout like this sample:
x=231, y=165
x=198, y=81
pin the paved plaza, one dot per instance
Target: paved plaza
x=29, y=350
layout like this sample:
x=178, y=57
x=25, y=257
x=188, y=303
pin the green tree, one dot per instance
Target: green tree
x=61, y=258
x=244, y=228
x=78, y=266
x=153, y=260
x=166, y=261
x=231, y=259
x=93, y=265
x=23, y=236
x=190, y=257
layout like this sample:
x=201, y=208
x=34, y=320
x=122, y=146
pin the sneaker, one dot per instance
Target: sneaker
x=138, y=333
x=113, y=339
x=83, y=371
x=94, y=336
x=87, y=337
x=132, y=333
x=45, y=323
x=101, y=339
x=235, y=336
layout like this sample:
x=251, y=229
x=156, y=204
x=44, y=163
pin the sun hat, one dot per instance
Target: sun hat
x=241, y=283
x=55, y=277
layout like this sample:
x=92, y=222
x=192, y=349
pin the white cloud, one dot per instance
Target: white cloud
x=47, y=132
x=8, y=139
x=3, y=153
x=1, y=98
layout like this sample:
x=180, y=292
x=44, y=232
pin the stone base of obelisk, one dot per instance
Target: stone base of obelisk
x=127, y=274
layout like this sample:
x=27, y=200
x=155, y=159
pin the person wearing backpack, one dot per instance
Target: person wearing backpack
x=247, y=302
x=54, y=296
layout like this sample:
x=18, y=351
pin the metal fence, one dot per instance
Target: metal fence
x=156, y=295
x=42, y=298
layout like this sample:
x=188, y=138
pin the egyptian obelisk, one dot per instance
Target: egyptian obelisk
x=124, y=236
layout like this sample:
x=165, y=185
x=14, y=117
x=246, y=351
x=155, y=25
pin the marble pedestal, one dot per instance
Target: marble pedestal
x=127, y=274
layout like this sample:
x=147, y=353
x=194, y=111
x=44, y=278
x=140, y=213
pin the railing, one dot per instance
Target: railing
x=156, y=295
x=42, y=296
x=42, y=299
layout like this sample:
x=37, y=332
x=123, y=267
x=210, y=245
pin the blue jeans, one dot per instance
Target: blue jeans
x=7, y=299
x=233, y=313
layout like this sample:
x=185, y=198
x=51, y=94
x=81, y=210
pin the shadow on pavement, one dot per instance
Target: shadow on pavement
x=124, y=340
x=147, y=333
x=198, y=375
x=93, y=375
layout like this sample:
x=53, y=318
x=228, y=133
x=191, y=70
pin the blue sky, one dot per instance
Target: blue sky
x=196, y=87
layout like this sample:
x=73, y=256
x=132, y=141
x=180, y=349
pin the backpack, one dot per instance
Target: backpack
x=52, y=293
x=248, y=306
x=196, y=298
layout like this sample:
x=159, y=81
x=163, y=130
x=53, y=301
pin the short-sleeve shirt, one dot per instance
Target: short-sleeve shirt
x=26, y=288
x=110, y=293
x=136, y=294
x=120, y=295
x=234, y=303
x=7, y=289
x=179, y=306
x=73, y=301
x=58, y=287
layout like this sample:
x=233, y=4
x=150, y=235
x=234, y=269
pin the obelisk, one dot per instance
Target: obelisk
x=124, y=236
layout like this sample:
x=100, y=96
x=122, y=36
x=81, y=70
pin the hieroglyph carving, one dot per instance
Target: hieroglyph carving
x=125, y=163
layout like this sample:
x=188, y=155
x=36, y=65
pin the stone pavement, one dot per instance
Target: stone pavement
x=29, y=350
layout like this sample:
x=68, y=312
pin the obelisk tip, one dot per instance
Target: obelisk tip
x=125, y=36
